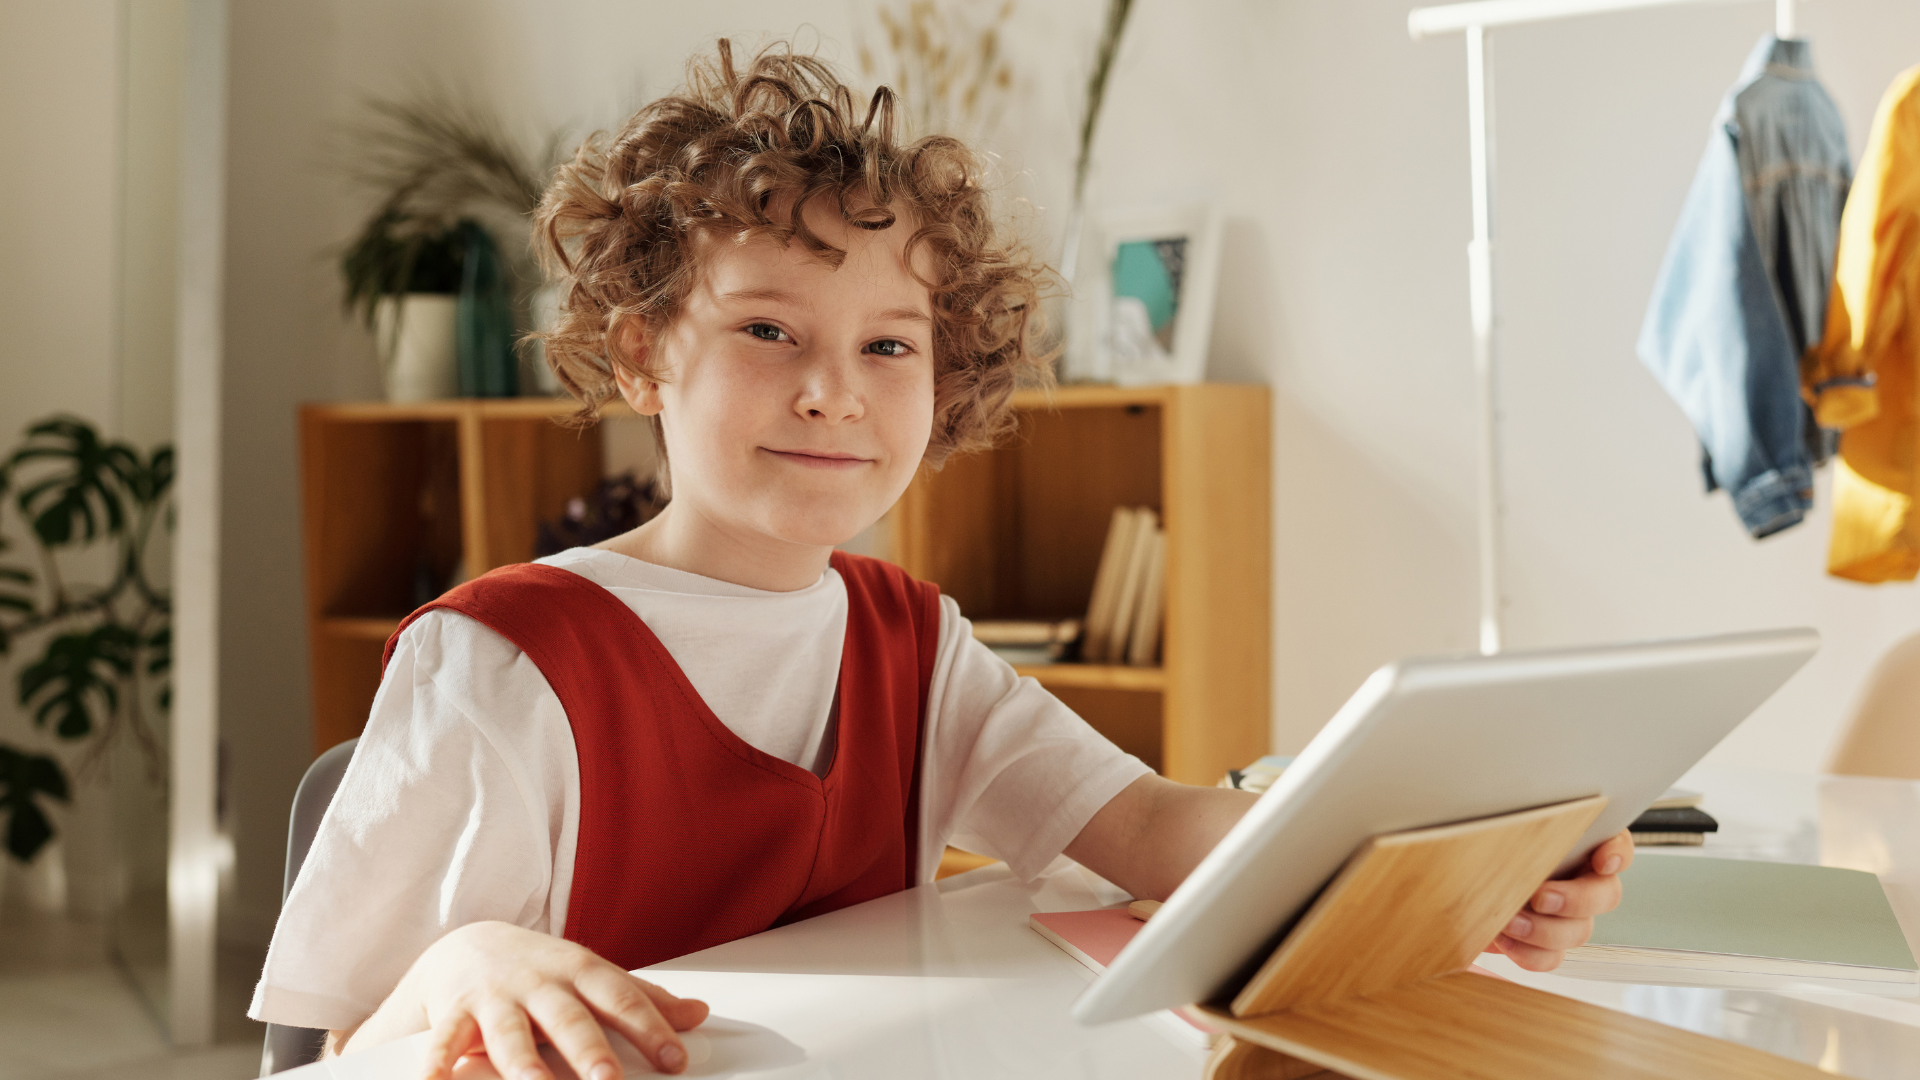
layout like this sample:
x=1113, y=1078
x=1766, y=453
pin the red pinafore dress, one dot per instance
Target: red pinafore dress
x=688, y=836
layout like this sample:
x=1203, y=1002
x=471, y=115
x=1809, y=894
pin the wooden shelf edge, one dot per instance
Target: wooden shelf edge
x=1091, y=396
x=1096, y=676
x=1103, y=396
x=453, y=409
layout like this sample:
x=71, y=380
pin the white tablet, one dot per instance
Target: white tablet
x=1426, y=742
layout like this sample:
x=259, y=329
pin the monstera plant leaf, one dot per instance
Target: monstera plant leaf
x=14, y=596
x=22, y=777
x=160, y=662
x=86, y=486
x=78, y=670
x=150, y=482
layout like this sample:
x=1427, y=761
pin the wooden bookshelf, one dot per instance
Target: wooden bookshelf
x=1017, y=534
x=396, y=497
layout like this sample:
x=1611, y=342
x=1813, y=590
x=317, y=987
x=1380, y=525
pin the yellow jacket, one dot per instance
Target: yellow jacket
x=1873, y=333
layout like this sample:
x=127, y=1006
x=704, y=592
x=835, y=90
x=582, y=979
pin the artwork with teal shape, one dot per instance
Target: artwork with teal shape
x=1146, y=277
x=1142, y=310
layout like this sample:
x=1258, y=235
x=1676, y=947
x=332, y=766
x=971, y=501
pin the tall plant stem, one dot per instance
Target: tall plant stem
x=1109, y=47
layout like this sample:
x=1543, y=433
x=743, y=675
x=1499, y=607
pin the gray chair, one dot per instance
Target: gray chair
x=291, y=1047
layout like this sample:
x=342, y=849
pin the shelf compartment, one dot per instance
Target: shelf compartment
x=1130, y=718
x=1017, y=532
x=346, y=675
x=360, y=628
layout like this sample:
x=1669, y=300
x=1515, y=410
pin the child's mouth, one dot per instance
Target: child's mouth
x=818, y=459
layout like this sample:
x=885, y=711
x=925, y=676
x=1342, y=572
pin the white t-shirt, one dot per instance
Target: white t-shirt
x=462, y=802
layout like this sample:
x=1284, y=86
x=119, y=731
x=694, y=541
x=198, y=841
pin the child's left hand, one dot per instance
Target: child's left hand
x=1560, y=915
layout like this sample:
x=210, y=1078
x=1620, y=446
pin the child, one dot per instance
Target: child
x=716, y=723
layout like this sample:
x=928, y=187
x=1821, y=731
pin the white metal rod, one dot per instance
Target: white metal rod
x=1480, y=293
x=1784, y=24
x=1451, y=18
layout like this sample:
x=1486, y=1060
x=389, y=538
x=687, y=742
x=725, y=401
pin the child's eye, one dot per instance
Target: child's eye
x=890, y=347
x=767, y=332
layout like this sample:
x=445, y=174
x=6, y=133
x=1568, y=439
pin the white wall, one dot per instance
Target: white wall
x=59, y=120
x=1338, y=149
x=60, y=86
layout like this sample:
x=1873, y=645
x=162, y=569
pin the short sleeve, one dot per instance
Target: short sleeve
x=1012, y=772
x=449, y=813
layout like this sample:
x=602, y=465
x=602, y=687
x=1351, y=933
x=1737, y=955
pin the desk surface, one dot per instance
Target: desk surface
x=948, y=981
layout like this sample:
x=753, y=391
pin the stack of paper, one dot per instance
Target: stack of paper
x=1027, y=641
x=1674, y=819
x=1753, y=925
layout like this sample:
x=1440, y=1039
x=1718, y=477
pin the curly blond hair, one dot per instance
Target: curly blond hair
x=723, y=155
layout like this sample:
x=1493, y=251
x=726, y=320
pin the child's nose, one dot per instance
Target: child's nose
x=831, y=392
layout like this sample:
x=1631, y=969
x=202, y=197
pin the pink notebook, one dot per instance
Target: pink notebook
x=1094, y=938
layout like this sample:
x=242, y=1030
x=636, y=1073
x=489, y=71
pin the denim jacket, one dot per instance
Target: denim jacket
x=1742, y=294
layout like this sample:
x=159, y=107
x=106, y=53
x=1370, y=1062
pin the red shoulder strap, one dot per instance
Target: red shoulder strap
x=888, y=608
x=511, y=600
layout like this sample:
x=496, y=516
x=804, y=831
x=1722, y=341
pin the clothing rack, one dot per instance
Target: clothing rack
x=1475, y=19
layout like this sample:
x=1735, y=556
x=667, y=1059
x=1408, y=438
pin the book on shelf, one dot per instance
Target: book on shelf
x=1693, y=921
x=1128, y=605
x=1114, y=556
x=1027, y=641
x=1132, y=578
x=1143, y=643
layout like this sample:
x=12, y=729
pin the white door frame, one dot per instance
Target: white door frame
x=196, y=849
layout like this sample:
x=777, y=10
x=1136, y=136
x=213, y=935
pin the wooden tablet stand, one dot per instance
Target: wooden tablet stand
x=1372, y=984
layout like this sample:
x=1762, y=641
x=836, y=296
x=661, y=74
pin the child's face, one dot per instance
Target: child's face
x=799, y=397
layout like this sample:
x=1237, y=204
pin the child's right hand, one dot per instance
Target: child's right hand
x=496, y=987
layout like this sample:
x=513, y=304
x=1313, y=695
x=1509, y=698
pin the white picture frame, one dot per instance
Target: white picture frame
x=1143, y=295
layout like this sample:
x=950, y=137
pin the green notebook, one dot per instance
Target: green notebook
x=1688, y=921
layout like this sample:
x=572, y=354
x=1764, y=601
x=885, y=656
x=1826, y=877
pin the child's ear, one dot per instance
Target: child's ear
x=631, y=345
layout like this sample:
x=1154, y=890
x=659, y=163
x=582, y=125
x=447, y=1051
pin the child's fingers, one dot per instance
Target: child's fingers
x=684, y=1014
x=509, y=1038
x=452, y=1036
x=1548, y=931
x=623, y=1003
x=1615, y=855
x=1581, y=898
x=574, y=1032
x=1531, y=957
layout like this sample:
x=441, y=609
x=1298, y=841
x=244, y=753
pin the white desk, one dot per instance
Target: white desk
x=941, y=981
x=947, y=981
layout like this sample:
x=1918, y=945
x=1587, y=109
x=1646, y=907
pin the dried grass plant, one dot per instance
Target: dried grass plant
x=946, y=64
